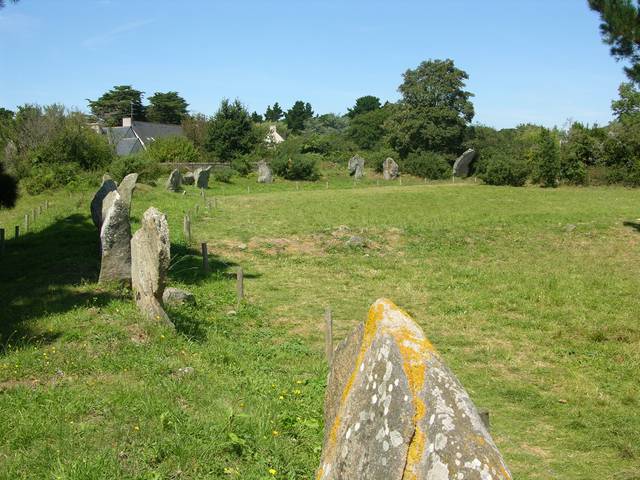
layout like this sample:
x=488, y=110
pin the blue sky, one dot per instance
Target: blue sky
x=528, y=61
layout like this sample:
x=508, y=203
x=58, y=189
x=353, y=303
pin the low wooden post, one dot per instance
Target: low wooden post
x=327, y=184
x=400, y=181
x=214, y=202
x=240, y=284
x=1, y=241
x=26, y=222
x=187, y=229
x=297, y=186
x=17, y=232
x=248, y=189
x=328, y=335
x=205, y=258
x=46, y=204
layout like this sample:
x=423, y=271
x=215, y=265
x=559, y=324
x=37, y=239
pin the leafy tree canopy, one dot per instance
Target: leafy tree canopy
x=273, y=114
x=296, y=116
x=629, y=102
x=231, y=132
x=166, y=107
x=365, y=104
x=118, y=103
x=434, y=111
x=256, y=117
x=620, y=28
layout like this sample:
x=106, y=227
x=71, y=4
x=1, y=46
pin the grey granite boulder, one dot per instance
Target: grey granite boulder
x=356, y=166
x=394, y=410
x=115, y=233
x=108, y=185
x=390, y=169
x=461, y=166
x=150, y=256
x=174, y=183
x=202, y=177
x=176, y=296
x=188, y=178
x=264, y=172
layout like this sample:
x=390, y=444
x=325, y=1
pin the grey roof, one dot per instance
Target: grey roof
x=148, y=132
x=127, y=146
x=128, y=140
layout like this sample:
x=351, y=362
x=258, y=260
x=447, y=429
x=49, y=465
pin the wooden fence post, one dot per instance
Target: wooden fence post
x=328, y=335
x=26, y=222
x=17, y=232
x=240, y=284
x=205, y=258
x=187, y=228
x=1, y=241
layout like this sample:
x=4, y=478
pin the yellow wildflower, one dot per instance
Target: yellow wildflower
x=273, y=471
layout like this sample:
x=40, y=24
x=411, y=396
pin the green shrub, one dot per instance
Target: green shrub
x=47, y=177
x=223, y=174
x=427, y=164
x=243, y=165
x=504, y=170
x=546, y=159
x=173, y=149
x=297, y=167
x=376, y=158
x=148, y=170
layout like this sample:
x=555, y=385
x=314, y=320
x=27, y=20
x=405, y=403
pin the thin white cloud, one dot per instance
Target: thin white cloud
x=108, y=37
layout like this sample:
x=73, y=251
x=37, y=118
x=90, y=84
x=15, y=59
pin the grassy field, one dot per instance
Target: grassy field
x=530, y=294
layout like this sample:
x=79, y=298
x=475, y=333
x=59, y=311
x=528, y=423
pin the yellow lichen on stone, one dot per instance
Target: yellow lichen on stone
x=376, y=313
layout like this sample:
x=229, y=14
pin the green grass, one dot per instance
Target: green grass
x=538, y=320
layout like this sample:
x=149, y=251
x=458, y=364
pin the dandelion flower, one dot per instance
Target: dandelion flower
x=273, y=471
x=275, y=433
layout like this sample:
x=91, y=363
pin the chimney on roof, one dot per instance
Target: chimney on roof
x=127, y=122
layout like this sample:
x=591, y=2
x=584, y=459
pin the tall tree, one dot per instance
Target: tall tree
x=434, y=111
x=119, y=102
x=256, y=117
x=620, y=28
x=230, y=132
x=296, y=116
x=167, y=107
x=273, y=114
x=365, y=104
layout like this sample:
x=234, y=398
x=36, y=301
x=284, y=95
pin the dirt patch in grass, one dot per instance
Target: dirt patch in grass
x=341, y=238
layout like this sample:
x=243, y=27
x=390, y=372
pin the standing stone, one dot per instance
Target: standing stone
x=188, y=178
x=150, y=256
x=202, y=177
x=461, y=166
x=115, y=233
x=390, y=169
x=264, y=172
x=175, y=181
x=108, y=185
x=394, y=410
x=356, y=167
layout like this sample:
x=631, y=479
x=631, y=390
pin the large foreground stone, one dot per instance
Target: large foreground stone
x=115, y=233
x=150, y=263
x=202, y=177
x=176, y=296
x=356, y=166
x=390, y=169
x=108, y=185
x=461, y=166
x=264, y=172
x=174, y=182
x=394, y=410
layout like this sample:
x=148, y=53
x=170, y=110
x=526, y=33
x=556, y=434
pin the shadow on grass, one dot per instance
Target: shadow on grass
x=634, y=225
x=186, y=266
x=187, y=324
x=43, y=273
